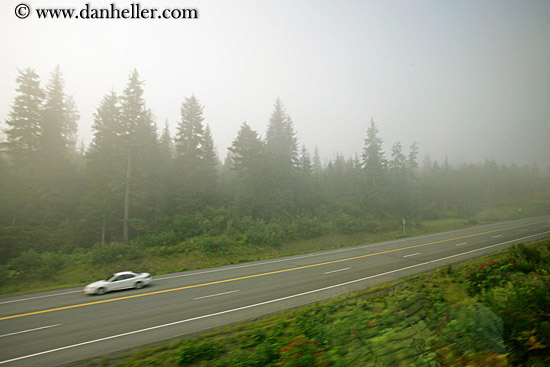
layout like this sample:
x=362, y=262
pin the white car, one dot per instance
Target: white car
x=122, y=280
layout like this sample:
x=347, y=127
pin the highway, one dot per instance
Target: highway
x=65, y=325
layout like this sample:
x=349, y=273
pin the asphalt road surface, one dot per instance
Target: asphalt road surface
x=64, y=326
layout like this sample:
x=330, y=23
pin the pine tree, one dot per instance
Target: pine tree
x=209, y=166
x=412, y=159
x=305, y=165
x=412, y=170
x=397, y=164
x=166, y=144
x=399, y=189
x=335, y=177
x=59, y=122
x=108, y=130
x=282, y=160
x=70, y=130
x=124, y=160
x=58, y=173
x=24, y=123
x=317, y=166
x=373, y=156
x=139, y=140
x=196, y=159
x=132, y=105
x=147, y=141
x=292, y=142
x=248, y=160
x=248, y=153
x=190, y=135
x=275, y=136
x=281, y=142
x=165, y=178
x=107, y=154
x=45, y=182
x=21, y=198
x=148, y=168
x=210, y=156
x=305, y=194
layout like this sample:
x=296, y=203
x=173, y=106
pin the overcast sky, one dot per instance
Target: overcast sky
x=466, y=79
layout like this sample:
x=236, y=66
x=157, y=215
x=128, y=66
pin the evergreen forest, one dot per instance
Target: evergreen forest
x=138, y=183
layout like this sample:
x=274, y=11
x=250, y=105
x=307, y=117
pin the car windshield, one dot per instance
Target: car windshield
x=111, y=278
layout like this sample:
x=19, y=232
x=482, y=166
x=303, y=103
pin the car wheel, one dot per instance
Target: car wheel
x=101, y=291
x=138, y=285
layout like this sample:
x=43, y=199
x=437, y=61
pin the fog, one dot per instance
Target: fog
x=469, y=80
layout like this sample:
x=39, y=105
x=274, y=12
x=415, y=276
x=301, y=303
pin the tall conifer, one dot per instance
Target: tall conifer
x=25, y=119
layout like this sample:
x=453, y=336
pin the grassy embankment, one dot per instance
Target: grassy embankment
x=42, y=271
x=491, y=311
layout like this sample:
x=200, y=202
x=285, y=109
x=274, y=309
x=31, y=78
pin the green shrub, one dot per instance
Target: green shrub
x=51, y=263
x=312, y=323
x=167, y=237
x=305, y=227
x=254, y=338
x=109, y=253
x=191, y=351
x=345, y=223
x=221, y=245
x=26, y=262
x=524, y=310
x=372, y=225
x=7, y=275
x=531, y=253
x=34, y=265
x=166, y=250
x=474, y=328
x=262, y=234
x=302, y=352
x=186, y=226
x=490, y=274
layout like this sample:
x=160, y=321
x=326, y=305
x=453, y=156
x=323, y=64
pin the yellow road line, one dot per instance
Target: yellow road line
x=258, y=275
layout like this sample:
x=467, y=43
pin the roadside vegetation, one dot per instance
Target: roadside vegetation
x=214, y=241
x=493, y=311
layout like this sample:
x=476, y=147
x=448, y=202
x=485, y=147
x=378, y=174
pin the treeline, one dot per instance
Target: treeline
x=136, y=182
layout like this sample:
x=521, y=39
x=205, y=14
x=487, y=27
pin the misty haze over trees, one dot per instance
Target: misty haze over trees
x=135, y=184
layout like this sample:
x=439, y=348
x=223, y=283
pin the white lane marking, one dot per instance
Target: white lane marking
x=259, y=304
x=335, y=271
x=215, y=295
x=418, y=253
x=498, y=235
x=327, y=252
x=460, y=244
x=31, y=298
x=28, y=331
